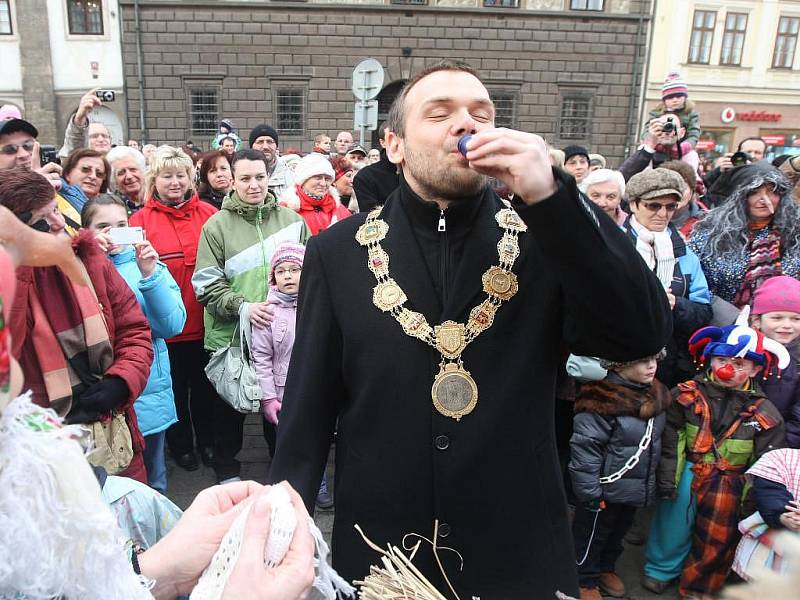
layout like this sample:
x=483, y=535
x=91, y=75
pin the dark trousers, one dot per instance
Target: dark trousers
x=606, y=545
x=229, y=424
x=194, y=398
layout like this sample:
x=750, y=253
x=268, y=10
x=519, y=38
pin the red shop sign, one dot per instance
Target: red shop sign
x=705, y=145
x=758, y=116
x=774, y=140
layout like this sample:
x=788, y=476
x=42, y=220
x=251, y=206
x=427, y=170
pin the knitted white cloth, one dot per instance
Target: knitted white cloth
x=328, y=585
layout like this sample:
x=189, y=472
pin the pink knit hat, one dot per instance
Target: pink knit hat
x=777, y=294
x=286, y=252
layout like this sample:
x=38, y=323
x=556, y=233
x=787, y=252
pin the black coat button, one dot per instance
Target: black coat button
x=442, y=442
x=444, y=530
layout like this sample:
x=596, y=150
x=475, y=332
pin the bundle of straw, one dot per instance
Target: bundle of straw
x=398, y=578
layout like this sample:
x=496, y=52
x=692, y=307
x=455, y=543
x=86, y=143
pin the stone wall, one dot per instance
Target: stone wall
x=246, y=50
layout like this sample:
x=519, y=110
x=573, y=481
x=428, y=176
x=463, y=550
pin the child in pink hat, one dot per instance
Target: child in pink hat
x=776, y=313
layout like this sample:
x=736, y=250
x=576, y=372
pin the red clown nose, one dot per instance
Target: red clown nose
x=725, y=373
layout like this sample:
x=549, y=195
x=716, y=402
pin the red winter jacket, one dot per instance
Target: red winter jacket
x=174, y=233
x=128, y=330
x=320, y=214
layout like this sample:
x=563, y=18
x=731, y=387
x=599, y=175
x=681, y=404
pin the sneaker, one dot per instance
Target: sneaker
x=612, y=585
x=324, y=497
x=590, y=594
x=657, y=586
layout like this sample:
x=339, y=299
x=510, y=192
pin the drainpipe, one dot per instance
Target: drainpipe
x=139, y=62
x=632, y=121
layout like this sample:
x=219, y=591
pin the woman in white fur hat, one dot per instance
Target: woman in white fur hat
x=311, y=196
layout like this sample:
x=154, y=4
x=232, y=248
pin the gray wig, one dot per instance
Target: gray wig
x=727, y=225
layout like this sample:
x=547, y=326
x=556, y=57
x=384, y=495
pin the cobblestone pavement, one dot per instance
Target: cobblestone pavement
x=184, y=486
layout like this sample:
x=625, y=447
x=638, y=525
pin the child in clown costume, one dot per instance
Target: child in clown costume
x=718, y=426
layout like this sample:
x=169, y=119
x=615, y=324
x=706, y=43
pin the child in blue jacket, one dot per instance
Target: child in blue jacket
x=160, y=299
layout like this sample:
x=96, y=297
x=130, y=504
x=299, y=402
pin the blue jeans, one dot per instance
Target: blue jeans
x=155, y=462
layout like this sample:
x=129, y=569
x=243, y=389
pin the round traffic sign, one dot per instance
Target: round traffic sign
x=367, y=79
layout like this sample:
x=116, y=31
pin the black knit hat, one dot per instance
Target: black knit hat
x=260, y=130
x=571, y=151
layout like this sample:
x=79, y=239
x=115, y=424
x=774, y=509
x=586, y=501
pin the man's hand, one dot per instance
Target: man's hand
x=51, y=172
x=671, y=298
x=261, y=314
x=724, y=162
x=146, y=258
x=654, y=132
x=179, y=558
x=89, y=101
x=520, y=160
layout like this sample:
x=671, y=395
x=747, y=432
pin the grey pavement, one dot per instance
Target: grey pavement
x=184, y=486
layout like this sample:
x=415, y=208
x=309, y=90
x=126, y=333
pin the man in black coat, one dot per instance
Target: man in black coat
x=490, y=479
x=374, y=183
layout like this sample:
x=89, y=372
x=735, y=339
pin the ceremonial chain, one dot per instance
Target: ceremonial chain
x=454, y=392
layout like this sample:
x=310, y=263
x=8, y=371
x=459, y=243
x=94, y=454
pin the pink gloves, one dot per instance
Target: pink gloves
x=270, y=408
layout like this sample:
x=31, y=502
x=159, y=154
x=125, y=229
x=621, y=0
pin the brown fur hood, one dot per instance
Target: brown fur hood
x=614, y=400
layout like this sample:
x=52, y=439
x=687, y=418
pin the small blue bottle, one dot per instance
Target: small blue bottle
x=462, y=144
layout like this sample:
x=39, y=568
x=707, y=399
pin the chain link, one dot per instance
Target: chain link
x=644, y=444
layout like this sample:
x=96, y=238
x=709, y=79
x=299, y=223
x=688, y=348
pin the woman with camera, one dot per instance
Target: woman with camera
x=752, y=236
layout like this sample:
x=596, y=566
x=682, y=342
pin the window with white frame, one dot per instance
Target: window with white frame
x=785, y=42
x=85, y=17
x=586, y=5
x=6, y=25
x=733, y=39
x=702, y=36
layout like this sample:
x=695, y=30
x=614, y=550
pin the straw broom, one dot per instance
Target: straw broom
x=398, y=578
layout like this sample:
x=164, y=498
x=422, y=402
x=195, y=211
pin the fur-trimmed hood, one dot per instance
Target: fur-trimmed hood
x=615, y=400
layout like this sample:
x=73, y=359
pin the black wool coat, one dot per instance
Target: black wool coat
x=374, y=183
x=492, y=480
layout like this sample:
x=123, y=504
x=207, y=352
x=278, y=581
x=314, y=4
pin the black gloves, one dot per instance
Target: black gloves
x=104, y=395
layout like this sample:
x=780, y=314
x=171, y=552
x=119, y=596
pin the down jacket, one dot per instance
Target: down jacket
x=160, y=299
x=272, y=348
x=610, y=421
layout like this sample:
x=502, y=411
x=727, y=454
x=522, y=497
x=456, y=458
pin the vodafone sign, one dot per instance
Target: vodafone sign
x=728, y=115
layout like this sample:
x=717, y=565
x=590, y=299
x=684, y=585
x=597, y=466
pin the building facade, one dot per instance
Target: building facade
x=53, y=52
x=741, y=61
x=567, y=69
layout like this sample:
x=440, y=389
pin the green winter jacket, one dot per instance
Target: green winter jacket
x=233, y=260
x=689, y=119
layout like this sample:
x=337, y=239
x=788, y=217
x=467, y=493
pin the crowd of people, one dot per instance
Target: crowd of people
x=677, y=413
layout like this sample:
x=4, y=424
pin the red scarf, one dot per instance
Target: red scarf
x=318, y=213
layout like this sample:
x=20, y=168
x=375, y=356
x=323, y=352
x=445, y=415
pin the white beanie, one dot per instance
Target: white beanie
x=310, y=165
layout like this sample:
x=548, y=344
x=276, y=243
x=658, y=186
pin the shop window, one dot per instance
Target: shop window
x=576, y=112
x=714, y=142
x=780, y=142
x=733, y=39
x=5, y=18
x=290, y=111
x=204, y=111
x=504, y=104
x=85, y=17
x=586, y=4
x=702, y=36
x=502, y=3
x=785, y=42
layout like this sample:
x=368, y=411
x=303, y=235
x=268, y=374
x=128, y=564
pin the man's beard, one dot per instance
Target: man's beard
x=441, y=181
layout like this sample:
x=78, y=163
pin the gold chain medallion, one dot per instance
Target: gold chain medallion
x=454, y=392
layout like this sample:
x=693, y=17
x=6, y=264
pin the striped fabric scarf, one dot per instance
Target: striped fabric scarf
x=69, y=336
x=655, y=247
x=764, y=262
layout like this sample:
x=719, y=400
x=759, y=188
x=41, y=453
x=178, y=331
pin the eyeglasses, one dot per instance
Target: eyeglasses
x=655, y=207
x=293, y=271
x=93, y=136
x=11, y=149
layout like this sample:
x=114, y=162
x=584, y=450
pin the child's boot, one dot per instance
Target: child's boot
x=612, y=585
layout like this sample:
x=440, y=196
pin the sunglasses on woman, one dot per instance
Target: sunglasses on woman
x=657, y=206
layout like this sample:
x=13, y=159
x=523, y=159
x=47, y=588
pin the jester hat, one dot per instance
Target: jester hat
x=740, y=341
